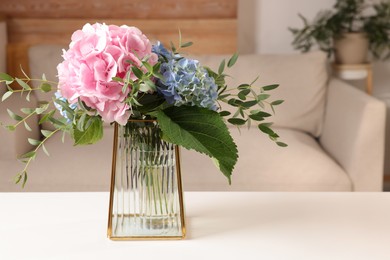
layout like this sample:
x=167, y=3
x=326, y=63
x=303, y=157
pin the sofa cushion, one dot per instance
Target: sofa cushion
x=263, y=166
x=302, y=78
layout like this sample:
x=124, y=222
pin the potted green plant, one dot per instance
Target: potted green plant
x=349, y=31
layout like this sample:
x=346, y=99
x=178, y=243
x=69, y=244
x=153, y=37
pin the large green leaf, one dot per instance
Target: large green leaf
x=93, y=132
x=202, y=130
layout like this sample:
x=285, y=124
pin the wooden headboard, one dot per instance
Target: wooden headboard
x=210, y=24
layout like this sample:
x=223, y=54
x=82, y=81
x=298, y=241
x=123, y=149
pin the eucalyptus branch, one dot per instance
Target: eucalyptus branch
x=30, y=156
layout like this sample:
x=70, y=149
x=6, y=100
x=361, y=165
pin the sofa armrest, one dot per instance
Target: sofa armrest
x=15, y=143
x=354, y=134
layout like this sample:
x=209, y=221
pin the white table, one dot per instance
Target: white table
x=220, y=226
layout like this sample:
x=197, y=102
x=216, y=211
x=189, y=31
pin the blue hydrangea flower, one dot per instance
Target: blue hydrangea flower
x=161, y=51
x=60, y=108
x=185, y=82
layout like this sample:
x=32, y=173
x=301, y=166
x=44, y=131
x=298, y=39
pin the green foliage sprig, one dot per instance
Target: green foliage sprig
x=347, y=16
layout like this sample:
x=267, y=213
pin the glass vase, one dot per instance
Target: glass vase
x=146, y=198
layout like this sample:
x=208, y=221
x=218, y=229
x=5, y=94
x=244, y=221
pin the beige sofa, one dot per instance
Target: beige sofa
x=335, y=135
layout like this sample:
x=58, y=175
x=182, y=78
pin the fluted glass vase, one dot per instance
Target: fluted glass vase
x=146, y=198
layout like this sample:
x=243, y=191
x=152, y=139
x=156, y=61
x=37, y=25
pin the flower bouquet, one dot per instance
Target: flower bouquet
x=156, y=97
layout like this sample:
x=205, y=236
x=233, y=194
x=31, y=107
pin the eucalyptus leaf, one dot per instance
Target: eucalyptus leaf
x=46, y=133
x=23, y=84
x=46, y=117
x=28, y=155
x=10, y=127
x=186, y=44
x=45, y=150
x=221, y=67
x=45, y=87
x=28, y=128
x=28, y=96
x=33, y=141
x=236, y=121
x=270, y=87
x=281, y=144
x=6, y=77
x=6, y=95
x=248, y=104
x=232, y=60
x=14, y=116
x=27, y=111
x=262, y=97
x=224, y=113
x=277, y=102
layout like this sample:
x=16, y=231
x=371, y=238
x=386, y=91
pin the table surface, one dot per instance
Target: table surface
x=221, y=225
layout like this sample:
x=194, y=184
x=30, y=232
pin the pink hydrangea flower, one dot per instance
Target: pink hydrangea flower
x=96, y=54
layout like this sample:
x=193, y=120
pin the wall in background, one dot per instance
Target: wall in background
x=263, y=28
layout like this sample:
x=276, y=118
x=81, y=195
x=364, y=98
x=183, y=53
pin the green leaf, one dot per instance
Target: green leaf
x=28, y=128
x=262, y=97
x=221, y=67
x=28, y=155
x=27, y=111
x=267, y=130
x=224, y=113
x=6, y=77
x=202, y=130
x=277, y=102
x=42, y=108
x=236, y=121
x=46, y=133
x=10, y=127
x=56, y=122
x=23, y=84
x=91, y=134
x=46, y=117
x=243, y=86
x=186, y=44
x=147, y=66
x=223, y=96
x=234, y=102
x=232, y=60
x=117, y=79
x=14, y=116
x=149, y=102
x=262, y=114
x=243, y=93
x=28, y=96
x=156, y=70
x=46, y=87
x=18, y=177
x=24, y=179
x=270, y=87
x=45, y=150
x=281, y=144
x=249, y=104
x=6, y=95
x=173, y=46
x=81, y=122
x=33, y=141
